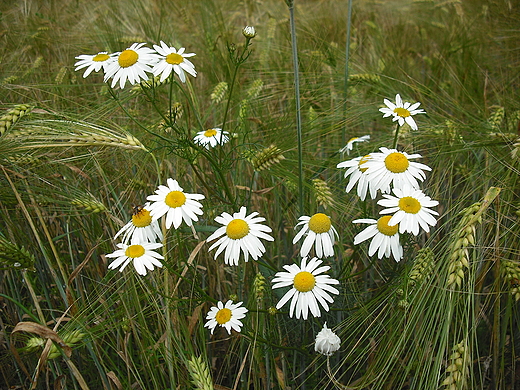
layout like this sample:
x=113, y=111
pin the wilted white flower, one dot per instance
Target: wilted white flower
x=327, y=342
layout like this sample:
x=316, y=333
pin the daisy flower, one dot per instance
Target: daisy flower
x=211, y=137
x=350, y=144
x=171, y=59
x=358, y=176
x=411, y=210
x=393, y=167
x=318, y=230
x=385, y=238
x=240, y=233
x=142, y=255
x=131, y=64
x=176, y=204
x=141, y=228
x=308, y=288
x=327, y=342
x=228, y=316
x=402, y=112
x=94, y=63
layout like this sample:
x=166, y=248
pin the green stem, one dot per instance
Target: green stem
x=396, y=138
x=345, y=87
x=298, y=107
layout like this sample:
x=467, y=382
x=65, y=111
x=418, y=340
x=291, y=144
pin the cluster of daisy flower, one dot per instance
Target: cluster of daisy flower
x=241, y=235
x=406, y=208
x=137, y=61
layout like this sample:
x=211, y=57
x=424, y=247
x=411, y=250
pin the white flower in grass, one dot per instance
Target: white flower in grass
x=385, y=238
x=171, y=59
x=211, y=137
x=141, y=228
x=327, y=342
x=240, y=233
x=308, y=288
x=358, y=176
x=94, y=63
x=391, y=167
x=142, y=256
x=410, y=209
x=318, y=231
x=249, y=32
x=350, y=144
x=228, y=316
x=131, y=64
x=176, y=204
x=402, y=112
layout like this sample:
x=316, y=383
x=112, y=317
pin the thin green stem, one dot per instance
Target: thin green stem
x=298, y=107
x=347, y=58
x=396, y=137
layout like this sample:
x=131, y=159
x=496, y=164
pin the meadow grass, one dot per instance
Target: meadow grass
x=77, y=156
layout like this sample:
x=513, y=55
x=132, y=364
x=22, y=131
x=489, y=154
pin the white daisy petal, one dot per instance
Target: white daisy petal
x=177, y=205
x=240, y=233
x=131, y=64
x=402, y=112
x=308, y=291
x=384, y=237
x=411, y=210
x=318, y=231
x=227, y=316
x=141, y=254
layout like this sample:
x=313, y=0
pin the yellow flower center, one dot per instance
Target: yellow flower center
x=237, y=229
x=319, y=223
x=396, y=162
x=134, y=251
x=174, y=59
x=142, y=218
x=382, y=226
x=409, y=205
x=223, y=316
x=175, y=199
x=100, y=57
x=210, y=133
x=402, y=112
x=352, y=139
x=362, y=161
x=127, y=58
x=304, y=281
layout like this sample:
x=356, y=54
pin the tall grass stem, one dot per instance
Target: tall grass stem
x=298, y=106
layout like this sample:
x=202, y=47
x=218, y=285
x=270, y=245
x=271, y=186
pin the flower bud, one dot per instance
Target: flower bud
x=249, y=32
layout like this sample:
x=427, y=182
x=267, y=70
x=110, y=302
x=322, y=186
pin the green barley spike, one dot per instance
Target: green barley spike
x=367, y=78
x=464, y=236
x=511, y=272
x=12, y=116
x=496, y=118
x=266, y=157
x=457, y=370
x=259, y=286
x=14, y=257
x=322, y=193
x=422, y=267
x=219, y=92
x=200, y=376
x=89, y=204
x=255, y=89
x=244, y=109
